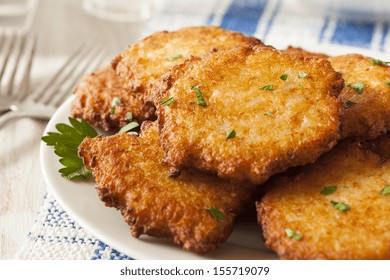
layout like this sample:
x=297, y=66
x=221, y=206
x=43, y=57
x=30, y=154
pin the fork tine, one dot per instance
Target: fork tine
x=90, y=65
x=7, y=55
x=22, y=43
x=40, y=92
x=75, y=72
x=23, y=89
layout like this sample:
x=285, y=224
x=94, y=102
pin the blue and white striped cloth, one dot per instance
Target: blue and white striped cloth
x=277, y=22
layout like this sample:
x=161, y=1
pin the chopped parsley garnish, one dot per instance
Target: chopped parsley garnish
x=284, y=77
x=343, y=207
x=268, y=114
x=267, y=87
x=328, y=190
x=358, y=87
x=114, y=102
x=129, y=116
x=168, y=102
x=379, y=62
x=172, y=58
x=388, y=83
x=300, y=85
x=230, y=134
x=128, y=127
x=66, y=142
x=348, y=104
x=302, y=75
x=218, y=215
x=385, y=190
x=291, y=234
x=199, y=96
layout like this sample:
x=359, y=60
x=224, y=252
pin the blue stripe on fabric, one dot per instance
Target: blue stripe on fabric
x=384, y=35
x=243, y=15
x=323, y=29
x=351, y=33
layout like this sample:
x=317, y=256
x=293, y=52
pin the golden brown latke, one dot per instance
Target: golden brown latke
x=367, y=113
x=370, y=116
x=141, y=65
x=306, y=53
x=94, y=95
x=131, y=177
x=290, y=125
x=296, y=203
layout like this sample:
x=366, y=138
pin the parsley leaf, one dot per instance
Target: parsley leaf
x=128, y=127
x=343, y=207
x=291, y=234
x=168, y=102
x=172, y=58
x=284, y=77
x=348, y=104
x=388, y=83
x=328, y=190
x=385, y=190
x=302, y=75
x=230, y=134
x=66, y=142
x=129, y=116
x=358, y=87
x=268, y=114
x=199, y=96
x=267, y=87
x=218, y=215
x=379, y=62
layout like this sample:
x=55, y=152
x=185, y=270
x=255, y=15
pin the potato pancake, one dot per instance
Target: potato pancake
x=195, y=211
x=102, y=102
x=336, y=208
x=249, y=112
x=142, y=64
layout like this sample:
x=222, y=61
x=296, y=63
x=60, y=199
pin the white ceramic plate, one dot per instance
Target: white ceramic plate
x=81, y=202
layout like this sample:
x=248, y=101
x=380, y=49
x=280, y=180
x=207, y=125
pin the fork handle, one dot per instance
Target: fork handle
x=12, y=115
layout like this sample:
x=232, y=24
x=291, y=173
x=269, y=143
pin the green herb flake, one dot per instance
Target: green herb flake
x=129, y=116
x=284, y=77
x=343, y=207
x=358, y=87
x=199, y=96
x=385, y=190
x=328, y=190
x=112, y=110
x=300, y=85
x=218, y=215
x=291, y=234
x=388, y=83
x=268, y=114
x=168, y=102
x=172, y=58
x=128, y=127
x=379, y=62
x=230, y=134
x=116, y=101
x=66, y=142
x=267, y=87
x=348, y=104
x=302, y=75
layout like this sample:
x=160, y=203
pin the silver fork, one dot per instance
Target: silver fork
x=43, y=101
x=17, y=53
